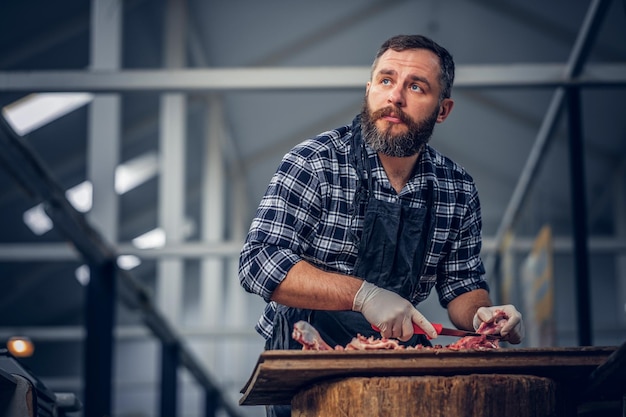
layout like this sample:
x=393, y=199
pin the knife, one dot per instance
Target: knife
x=443, y=331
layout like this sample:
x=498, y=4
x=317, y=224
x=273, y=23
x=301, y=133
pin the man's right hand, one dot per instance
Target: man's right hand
x=390, y=313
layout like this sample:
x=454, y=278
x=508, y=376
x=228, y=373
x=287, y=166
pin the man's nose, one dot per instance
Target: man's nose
x=396, y=96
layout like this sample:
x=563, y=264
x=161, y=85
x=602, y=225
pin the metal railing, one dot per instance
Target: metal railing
x=107, y=282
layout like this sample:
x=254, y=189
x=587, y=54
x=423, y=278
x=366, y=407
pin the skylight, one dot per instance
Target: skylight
x=36, y=110
x=83, y=274
x=81, y=196
x=128, y=175
x=155, y=238
x=37, y=220
x=136, y=171
x=128, y=262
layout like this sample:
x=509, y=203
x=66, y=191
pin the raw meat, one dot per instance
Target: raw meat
x=310, y=339
x=371, y=343
x=495, y=325
x=474, y=342
x=486, y=328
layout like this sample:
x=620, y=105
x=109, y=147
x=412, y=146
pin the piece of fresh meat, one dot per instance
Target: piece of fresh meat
x=495, y=324
x=486, y=328
x=474, y=342
x=310, y=339
x=371, y=343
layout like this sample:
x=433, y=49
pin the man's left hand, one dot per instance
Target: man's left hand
x=512, y=331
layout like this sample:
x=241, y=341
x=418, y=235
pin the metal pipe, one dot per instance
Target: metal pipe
x=169, y=379
x=202, y=80
x=579, y=212
x=98, y=358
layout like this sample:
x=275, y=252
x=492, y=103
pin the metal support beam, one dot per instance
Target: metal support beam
x=212, y=289
x=98, y=356
x=128, y=333
x=579, y=211
x=572, y=70
x=210, y=404
x=172, y=143
x=169, y=379
x=104, y=128
x=199, y=80
x=19, y=252
x=619, y=192
x=219, y=299
x=103, y=149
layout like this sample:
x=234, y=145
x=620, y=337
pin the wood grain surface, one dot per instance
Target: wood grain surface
x=483, y=395
x=280, y=374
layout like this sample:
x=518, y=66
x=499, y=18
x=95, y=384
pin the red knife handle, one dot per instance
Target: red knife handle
x=418, y=330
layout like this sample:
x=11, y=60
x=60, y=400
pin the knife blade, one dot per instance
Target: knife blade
x=443, y=331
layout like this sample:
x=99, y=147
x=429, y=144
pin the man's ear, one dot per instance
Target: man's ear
x=445, y=108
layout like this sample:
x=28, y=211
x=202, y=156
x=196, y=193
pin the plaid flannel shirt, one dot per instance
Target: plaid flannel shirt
x=304, y=215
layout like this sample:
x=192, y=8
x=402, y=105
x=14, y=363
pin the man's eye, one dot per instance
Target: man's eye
x=385, y=81
x=415, y=87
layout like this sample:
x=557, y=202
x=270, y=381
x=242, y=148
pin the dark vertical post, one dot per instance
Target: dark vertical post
x=98, y=356
x=579, y=212
x=210, y=403
x=169, y=378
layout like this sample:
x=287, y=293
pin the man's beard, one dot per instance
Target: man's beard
x=398, y=145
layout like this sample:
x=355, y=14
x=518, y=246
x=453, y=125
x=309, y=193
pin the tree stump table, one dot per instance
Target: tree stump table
x=428, y=382
x=433, y=396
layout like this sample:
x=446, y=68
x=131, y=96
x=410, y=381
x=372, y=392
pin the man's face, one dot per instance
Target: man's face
x=402, y=104
x=383, y=139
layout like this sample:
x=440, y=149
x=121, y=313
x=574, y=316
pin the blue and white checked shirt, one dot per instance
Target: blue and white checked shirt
x=304, y=215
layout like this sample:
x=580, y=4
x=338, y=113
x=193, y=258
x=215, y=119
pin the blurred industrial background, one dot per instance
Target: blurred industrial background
x=125, y=195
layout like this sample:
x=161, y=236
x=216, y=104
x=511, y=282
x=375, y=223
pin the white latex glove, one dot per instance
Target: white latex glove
x=512, y=331
x=390, y=313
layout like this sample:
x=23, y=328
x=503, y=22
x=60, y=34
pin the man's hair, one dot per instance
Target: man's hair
x=405, y=42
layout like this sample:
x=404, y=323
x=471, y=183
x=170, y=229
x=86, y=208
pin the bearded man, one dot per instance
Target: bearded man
x=360, y=223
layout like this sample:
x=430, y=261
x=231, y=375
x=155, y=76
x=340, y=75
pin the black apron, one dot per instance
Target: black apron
x=392, y=249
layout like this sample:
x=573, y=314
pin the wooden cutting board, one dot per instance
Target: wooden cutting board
x=280, y=374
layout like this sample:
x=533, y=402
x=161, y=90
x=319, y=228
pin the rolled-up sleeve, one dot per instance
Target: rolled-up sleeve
x=281, y=229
